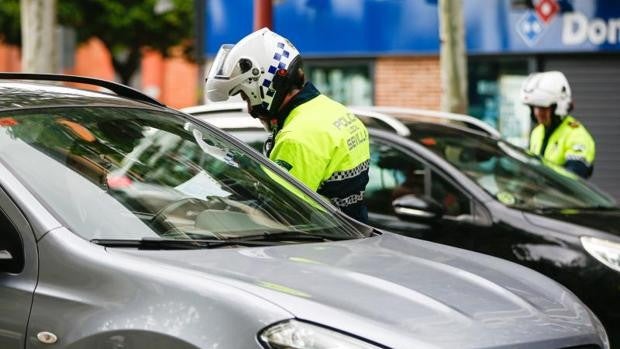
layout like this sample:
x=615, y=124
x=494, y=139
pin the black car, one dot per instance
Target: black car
x=460, y=187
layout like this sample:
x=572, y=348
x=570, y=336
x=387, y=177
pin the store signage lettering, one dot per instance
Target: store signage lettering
x=533, y=24
x=579, y=29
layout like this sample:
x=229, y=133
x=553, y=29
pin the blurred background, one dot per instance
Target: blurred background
x=359, y=52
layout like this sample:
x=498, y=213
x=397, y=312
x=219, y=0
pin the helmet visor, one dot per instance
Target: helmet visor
x=217, y=68
x=218, y=80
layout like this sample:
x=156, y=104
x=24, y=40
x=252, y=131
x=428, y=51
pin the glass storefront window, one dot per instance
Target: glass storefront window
x=348, y=82
x=494, y=95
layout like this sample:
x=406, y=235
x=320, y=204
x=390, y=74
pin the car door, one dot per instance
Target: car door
x=395, y=173
x=18, y=274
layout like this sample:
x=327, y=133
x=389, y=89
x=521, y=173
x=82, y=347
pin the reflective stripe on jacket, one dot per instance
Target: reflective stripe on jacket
x=569, y=142
x=326, y=147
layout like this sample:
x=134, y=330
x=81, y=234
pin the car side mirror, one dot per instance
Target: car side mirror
x=7, y=261
x=418, y=209
x=5, y=256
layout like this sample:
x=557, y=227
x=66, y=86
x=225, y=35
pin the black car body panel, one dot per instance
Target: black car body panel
x=606, y=220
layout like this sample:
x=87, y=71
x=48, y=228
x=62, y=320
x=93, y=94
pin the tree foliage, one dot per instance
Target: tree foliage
x=10, y=31
x=125, y=27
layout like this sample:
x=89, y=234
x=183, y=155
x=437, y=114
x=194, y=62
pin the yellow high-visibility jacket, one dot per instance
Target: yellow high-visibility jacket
x=326, y=147
x=570, y=145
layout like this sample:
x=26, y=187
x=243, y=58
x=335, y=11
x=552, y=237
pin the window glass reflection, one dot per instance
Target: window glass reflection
x=115, y=173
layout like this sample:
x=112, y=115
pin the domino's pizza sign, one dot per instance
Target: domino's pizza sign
x=578, y=29
x=530, y=28
x=532, y=25
x=586, y=25
x=379, y=27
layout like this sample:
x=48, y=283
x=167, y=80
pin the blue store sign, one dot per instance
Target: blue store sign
x=550, y=26
x=394, y=27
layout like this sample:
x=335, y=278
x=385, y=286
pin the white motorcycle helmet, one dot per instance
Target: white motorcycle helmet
x=547, y=89
x=264, y=66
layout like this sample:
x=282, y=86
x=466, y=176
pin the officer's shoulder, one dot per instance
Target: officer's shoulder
x=539, y=128
x=577, y=129
x=573, y=123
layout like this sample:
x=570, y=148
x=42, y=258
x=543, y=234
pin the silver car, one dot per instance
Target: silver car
x=129, y=225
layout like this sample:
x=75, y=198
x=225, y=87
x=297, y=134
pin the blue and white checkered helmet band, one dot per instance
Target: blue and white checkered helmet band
x=282, y=57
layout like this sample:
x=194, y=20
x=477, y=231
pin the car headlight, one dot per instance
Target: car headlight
x=293, y=334
x=601, y=331
x=606, y=252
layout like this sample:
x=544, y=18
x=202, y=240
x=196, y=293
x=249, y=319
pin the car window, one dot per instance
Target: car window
x=254, y=138
x=510, y=174
x=454, y=201
x=10, y=241
x=393, y=174
x=120, y=173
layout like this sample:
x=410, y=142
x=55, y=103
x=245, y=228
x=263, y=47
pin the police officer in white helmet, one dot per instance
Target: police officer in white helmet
x=316, y=139
x=558, y=137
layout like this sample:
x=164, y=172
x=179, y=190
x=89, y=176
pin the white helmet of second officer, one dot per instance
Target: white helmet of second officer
x=547, y=89
x=263, y=67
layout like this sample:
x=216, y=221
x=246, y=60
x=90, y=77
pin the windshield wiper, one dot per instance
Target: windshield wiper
x=552, y=209
x=264, y=239
x=292, y=235
x=177, y=244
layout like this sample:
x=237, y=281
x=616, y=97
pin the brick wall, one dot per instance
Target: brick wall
x=9, y=58
x=93, y=59
x=408, y=82
x=174, y=81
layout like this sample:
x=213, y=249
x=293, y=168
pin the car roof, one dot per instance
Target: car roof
x=19, y=90
x=236, y=119
x=227, y=115
x=421, y=129
x=216, y=107
x=231, y=120
x=433, y=116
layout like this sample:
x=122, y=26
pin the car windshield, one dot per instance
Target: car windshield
x=511, y=175
x=132, y=174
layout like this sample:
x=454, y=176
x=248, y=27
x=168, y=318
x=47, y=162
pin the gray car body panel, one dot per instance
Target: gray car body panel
x=38, y=216
x=402, y=292
x=90, y=295
x=16, y=290
x=393, y=290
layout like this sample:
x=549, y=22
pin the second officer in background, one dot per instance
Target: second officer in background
x=558, y=137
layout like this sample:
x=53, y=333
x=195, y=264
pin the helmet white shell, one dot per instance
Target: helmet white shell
x=249, y=67
x=546, y=89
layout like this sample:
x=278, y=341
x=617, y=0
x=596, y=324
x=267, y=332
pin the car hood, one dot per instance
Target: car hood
x=400, y=292
x=606, y=220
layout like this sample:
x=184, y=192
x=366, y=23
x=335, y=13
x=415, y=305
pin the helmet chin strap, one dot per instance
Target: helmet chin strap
x=269, y=124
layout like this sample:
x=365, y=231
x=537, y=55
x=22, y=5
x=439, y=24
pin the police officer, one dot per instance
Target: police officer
x=558, y=137
x=316, y=139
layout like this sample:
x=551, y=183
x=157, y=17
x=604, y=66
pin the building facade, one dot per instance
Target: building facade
x=172, y=80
